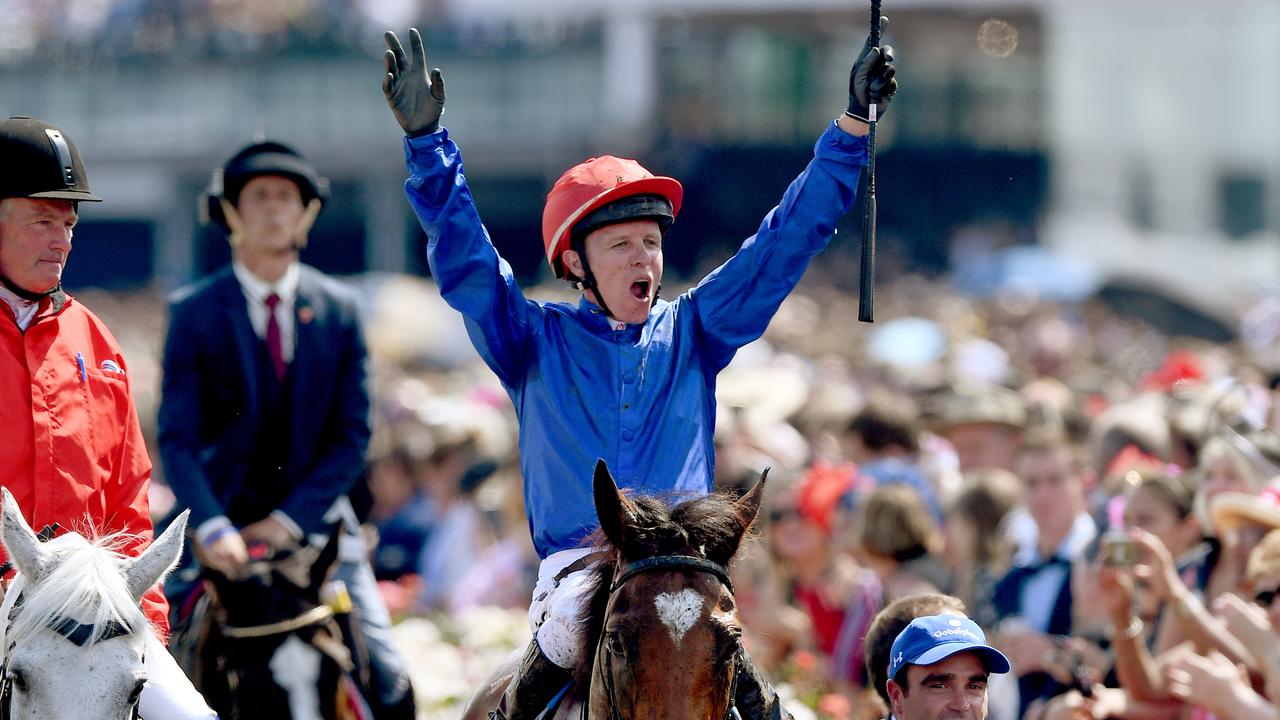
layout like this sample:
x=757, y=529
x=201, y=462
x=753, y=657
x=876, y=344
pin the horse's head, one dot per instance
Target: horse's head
x=274, y=587
x=276, y=638
x=670, y=636
x=74, y=646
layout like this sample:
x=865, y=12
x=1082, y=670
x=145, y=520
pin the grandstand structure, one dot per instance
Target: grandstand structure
x=1043, y=122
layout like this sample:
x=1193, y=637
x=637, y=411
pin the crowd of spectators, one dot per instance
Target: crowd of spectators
x=1100, y=498
x=86, y=31
x=999, y=450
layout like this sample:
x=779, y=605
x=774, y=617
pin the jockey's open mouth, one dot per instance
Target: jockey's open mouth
x=640, y=289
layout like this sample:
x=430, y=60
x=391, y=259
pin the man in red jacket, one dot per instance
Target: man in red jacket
x=72, y=449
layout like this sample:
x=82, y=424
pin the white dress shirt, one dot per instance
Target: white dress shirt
x=23, y=309
x=256, y=291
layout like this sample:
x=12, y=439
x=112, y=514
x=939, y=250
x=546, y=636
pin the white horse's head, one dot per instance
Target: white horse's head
x=75, y=646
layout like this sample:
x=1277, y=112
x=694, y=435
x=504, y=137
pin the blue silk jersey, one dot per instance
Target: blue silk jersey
x=641, y=398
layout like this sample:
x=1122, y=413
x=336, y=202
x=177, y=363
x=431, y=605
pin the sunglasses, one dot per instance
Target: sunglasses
x=1266, y=597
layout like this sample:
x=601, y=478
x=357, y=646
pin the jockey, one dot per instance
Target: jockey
x=73, y=452
x=621, y=375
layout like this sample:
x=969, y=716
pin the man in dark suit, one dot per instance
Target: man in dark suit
x=1034, y=600
x=264, y=422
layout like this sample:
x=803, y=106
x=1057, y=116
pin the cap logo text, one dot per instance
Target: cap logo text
x=955, y=631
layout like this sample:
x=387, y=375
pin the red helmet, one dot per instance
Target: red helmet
x=591, y=185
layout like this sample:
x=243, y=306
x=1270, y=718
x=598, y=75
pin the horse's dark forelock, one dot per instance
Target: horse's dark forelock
x=711, y=526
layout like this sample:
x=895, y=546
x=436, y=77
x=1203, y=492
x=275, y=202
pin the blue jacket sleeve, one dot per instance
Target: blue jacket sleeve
x=472, y=277
x=735, y=302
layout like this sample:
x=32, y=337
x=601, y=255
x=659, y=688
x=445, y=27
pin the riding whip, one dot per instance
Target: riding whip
x=867, y=280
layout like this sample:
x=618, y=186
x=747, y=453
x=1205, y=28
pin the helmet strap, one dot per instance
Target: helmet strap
x=305, y=222
x=27, y=294
x=235, y=226
x=588, y=281
x=236, y=231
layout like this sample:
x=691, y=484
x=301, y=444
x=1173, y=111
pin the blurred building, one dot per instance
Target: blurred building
x=1069, y=123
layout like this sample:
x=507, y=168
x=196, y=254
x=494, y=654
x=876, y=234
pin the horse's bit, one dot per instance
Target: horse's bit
x=653, y=564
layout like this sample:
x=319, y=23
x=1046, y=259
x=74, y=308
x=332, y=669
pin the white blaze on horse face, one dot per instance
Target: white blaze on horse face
x=679, y=611
x=295, y=667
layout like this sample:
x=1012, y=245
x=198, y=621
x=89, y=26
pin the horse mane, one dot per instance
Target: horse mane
x=710, y=526
x=84, y=583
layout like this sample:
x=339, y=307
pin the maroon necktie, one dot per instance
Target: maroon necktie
x=274, y=346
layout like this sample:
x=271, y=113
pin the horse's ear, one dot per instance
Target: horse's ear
x=611, y=507
x=319, y=571
x=20, y=541
x=721, y=545
x=749, y=503
x=142, y=573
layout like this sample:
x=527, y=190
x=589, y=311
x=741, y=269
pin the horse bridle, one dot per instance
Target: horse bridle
x=654, y=564
x=73, y=630
x=77, y=632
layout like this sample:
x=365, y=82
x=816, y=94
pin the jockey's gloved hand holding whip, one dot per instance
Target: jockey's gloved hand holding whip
x=871, y=87
x=416, y=100
x=871, y=80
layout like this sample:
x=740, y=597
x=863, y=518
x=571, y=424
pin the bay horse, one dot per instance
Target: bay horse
x=75, y=636
x=266, y=645
x=662, y=634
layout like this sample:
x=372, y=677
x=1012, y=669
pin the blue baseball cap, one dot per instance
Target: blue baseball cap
x=933, y=638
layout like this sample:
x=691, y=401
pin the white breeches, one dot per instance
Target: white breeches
x=556, y=612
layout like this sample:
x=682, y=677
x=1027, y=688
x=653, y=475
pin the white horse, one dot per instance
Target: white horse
x=72, y=647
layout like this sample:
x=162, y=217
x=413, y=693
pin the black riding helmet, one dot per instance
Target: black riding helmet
x=262, y=158
x=38, y=161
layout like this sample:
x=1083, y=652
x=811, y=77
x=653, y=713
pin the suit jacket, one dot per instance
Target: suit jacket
x=1009, y=602
x=1008, y=597
x=210, y=412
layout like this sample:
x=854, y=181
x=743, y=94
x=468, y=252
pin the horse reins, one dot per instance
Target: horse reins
x=663, y=562
x=314, y=616
x=320, y=615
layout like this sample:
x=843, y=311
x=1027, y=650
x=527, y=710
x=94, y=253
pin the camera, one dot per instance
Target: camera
x=1119, y=550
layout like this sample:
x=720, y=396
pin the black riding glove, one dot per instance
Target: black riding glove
x=416, y=102
x=872, y=79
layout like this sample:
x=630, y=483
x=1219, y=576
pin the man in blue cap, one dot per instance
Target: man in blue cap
x=938, y=668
